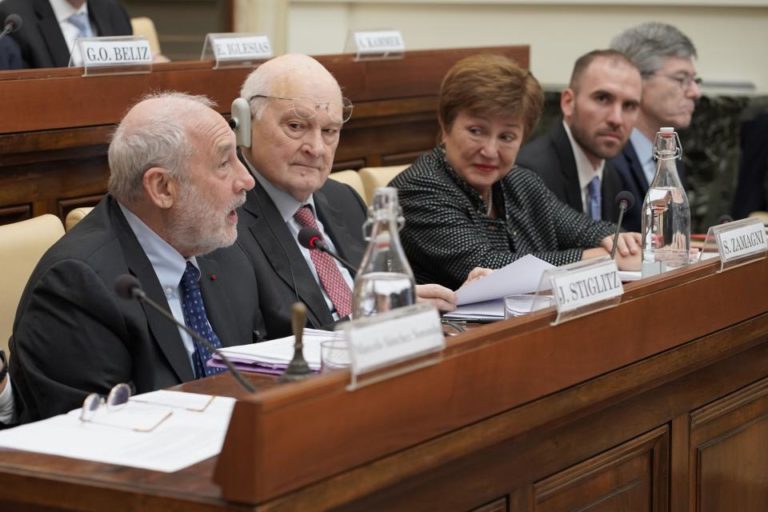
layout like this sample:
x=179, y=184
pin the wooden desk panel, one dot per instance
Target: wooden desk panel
x=517, y=416
x=56, y=125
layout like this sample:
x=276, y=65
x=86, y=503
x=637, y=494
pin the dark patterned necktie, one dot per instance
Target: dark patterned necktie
x=330, y=276
x=196, y=319
x=593, y=191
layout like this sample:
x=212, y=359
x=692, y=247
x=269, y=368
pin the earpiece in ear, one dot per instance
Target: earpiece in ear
x=240, y=122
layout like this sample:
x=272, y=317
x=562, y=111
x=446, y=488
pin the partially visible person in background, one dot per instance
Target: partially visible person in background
x=665, y=57
x=50, y=27
x=466, y=204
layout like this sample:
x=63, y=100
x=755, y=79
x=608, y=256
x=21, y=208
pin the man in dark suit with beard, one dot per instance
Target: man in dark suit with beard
x=50, y=27
x=169, y=220
x=600, y=107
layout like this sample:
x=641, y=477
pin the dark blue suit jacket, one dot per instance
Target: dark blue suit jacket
x=630, y=170
x=10, y=55
x=551, y=157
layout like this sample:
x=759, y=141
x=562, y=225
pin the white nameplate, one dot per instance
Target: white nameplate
x=594, y=283
x=240, y=47
x=109, y=52
x=397, y=335
x=741, y=239
x=379, y=43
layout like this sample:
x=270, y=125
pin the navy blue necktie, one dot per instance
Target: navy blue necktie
x=593, y=193
x=196, y=319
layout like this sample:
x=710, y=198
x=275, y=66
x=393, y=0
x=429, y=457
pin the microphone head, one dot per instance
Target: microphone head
x=310, y=238
x=128, y=287
x=14, y=22
x=724, y=219
x=625, y=197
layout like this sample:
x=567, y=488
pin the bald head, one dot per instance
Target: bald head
x=291, y=76
x=297, y=112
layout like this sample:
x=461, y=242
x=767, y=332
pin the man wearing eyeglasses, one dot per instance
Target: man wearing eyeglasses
x=296, y=111
x=665, y=57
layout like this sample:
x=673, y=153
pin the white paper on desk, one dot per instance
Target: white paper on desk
x=478, y=311
x=520, y=276
x=280, y=351
x=186, y=438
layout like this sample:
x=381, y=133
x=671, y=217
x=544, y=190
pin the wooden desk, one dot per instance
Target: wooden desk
x=55, y=125
x=658, y=404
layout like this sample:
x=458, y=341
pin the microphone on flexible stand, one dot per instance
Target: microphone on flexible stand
x=625, y=200
x=312, y=239
x=11, y=24
x=128, y=287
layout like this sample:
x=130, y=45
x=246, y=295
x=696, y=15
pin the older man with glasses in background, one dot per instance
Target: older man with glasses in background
x=665, y=57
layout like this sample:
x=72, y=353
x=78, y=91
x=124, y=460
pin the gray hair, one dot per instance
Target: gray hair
x=648, y=44
x=159, y=138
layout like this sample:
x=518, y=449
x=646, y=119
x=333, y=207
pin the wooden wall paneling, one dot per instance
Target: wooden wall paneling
x=729, y=443
x=629, y=478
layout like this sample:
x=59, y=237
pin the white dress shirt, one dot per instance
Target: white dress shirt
x=585, y=169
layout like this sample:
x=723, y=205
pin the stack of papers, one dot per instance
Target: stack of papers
x=483, y=300
x=272, y=357
x=193, y=430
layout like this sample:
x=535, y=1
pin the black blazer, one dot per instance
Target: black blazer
x=551, y=157
x=73, y=335
x=40, y=39
x=282, y=272
x=633, y=179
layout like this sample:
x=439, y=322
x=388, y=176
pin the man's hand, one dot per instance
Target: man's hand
x=443, y=298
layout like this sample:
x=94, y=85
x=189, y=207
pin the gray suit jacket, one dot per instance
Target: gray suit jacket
x=282, y=272
x=73, y=335
x=40, y=39
x=551, y=157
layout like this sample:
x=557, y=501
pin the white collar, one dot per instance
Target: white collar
x=63, y=9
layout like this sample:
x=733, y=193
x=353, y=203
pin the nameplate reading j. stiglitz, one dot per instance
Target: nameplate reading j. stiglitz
x=378, y=44
x=584, y=287
x=115, y=52
x=395, y=336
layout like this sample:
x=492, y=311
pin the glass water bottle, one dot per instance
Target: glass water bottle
x=385, y=279
x=666, y=223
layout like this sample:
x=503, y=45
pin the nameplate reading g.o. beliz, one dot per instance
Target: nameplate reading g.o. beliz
x=128, y=52
x=741, y=239
x=592, y=284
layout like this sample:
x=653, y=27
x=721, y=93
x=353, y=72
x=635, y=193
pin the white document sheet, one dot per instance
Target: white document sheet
x=279, y=352
x=183, y=439
x=520, y=276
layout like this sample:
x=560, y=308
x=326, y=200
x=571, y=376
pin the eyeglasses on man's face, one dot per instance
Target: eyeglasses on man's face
x=307, y=109
x=684, y=80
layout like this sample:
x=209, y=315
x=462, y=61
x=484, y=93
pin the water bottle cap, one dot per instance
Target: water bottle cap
x=667, y=131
